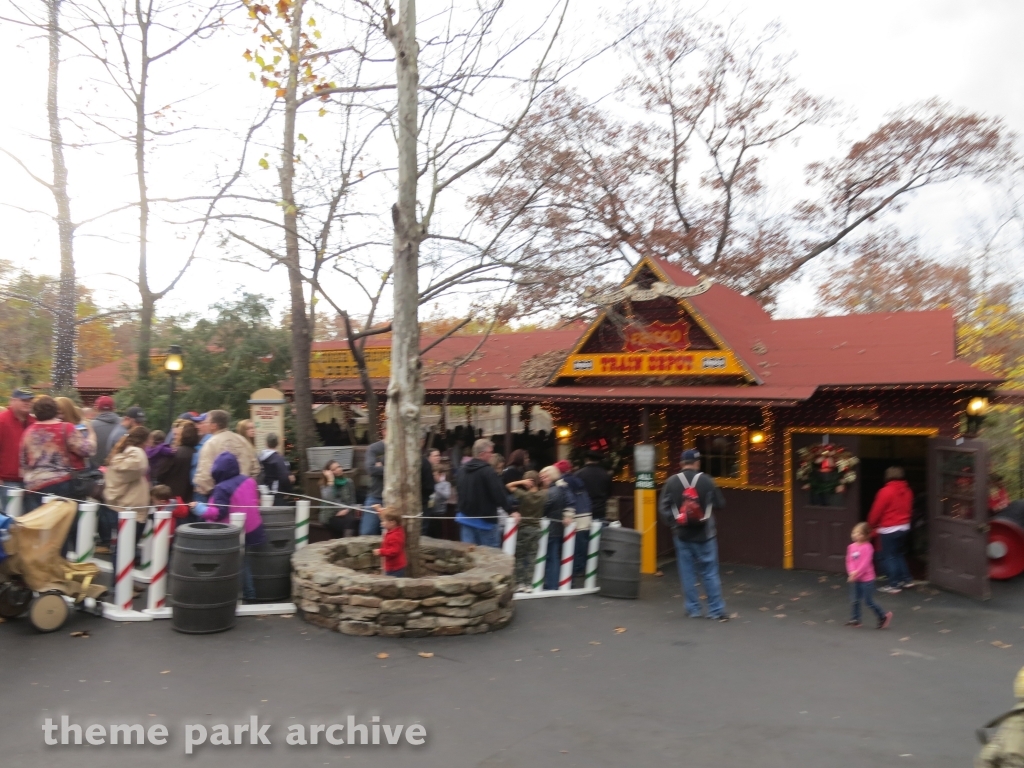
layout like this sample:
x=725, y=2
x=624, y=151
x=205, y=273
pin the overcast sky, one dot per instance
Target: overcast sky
x=872, y=56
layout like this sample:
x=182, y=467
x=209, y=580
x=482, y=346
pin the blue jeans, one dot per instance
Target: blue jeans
x=863, y=591
x=482, y=537
x=553, y=564
x=248, y=585
x=895, y=565
x=700, y=558
x=579, y=562
x=369, y=523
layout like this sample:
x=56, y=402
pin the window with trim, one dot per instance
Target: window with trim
x=723, y=452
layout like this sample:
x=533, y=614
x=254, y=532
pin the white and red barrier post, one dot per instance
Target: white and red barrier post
x=541, y=559
x=301, y=523
x=568, y=553
x=123, y=582
x=238, y=518
x=146, y=550
x=266, y=499
x=15, y=502
x=86, y=537
x=590, y=580
x=157, y=596
x=509, y=536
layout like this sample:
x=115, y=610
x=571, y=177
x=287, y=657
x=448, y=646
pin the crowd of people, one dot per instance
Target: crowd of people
x=483, y=490
x=201, y=470
x=204, y=470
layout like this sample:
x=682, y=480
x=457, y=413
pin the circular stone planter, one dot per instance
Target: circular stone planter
x=465, y=590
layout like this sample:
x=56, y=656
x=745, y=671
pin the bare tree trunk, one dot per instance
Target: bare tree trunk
x=147, y=297
x=301, y=333
x=63, y=372
x=405, y=391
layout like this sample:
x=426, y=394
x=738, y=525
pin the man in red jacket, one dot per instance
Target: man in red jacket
x=890, y=518
x=13, y=423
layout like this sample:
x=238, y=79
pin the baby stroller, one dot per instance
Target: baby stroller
x=33, y=575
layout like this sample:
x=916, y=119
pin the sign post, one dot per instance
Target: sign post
x=266, y=409
x=645, y=505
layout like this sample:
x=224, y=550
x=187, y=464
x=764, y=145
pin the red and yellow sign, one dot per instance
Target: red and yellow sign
x=687, y=363
x=658, y=337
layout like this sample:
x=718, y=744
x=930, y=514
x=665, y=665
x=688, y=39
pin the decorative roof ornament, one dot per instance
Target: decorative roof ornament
x=634, y=292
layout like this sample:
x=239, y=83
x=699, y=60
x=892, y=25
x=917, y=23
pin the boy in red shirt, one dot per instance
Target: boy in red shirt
x=392, y=544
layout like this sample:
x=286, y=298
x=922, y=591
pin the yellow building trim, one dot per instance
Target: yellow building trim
x=692, y=432
x=787, y=456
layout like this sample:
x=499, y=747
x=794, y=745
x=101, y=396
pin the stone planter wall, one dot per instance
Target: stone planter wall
x=338, y=585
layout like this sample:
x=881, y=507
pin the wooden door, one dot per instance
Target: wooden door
x=958, y=516
x=822, y=521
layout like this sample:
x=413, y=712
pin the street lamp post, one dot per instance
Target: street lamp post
x=173, y=365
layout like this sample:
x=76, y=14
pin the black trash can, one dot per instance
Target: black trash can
x=271, y=563
x=618, y=563
x=206, y=576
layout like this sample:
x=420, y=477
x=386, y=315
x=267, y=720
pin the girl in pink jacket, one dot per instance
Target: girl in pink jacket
x=861, y=575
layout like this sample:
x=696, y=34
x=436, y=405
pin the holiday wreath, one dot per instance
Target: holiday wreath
x=826, y=468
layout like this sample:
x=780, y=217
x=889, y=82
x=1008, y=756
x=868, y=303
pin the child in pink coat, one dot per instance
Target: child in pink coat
x=860, y=568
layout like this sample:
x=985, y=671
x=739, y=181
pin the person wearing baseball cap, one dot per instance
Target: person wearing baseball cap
x=13, y=423
x=686, y=504
x=105, y=423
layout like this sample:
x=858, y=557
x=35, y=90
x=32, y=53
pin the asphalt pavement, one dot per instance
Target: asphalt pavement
x=585, y=681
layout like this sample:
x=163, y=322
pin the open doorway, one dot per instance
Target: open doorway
x=878, y=453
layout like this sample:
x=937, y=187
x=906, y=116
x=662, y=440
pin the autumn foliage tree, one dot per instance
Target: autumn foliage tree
x=685, y=178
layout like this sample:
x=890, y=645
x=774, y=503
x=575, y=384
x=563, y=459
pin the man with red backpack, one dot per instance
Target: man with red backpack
x=686, y=504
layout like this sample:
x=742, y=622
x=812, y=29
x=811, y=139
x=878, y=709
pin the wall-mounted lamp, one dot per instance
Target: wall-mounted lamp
x=563, y=433
x=758, y=439
x=977, y=408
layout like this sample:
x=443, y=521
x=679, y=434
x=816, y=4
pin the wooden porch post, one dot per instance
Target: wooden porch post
x=508, y=430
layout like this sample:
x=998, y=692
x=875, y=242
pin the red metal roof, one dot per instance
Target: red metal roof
x=884, y=349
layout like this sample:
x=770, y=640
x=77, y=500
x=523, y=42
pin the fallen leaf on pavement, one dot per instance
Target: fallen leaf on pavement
x=774, y=592
x=166, y=672
x=822, y=579
x=810, y=623
x=426, y=655
x=383, y=655
x=805, y=594
x=763, y=608
x=1001, y=644
x=79, y=634
x=780, y=615
x=619, y=630
x=904, y=639
x=837, y=586
x=944, y=631
x=916, y=608
x=555, y=650
x=594, y=642
x=658, y=573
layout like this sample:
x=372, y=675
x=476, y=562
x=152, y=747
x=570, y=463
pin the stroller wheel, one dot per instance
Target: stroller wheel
x=14, y=599
x=48, y=612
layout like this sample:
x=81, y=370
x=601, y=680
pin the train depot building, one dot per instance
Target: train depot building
x=797, y=419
